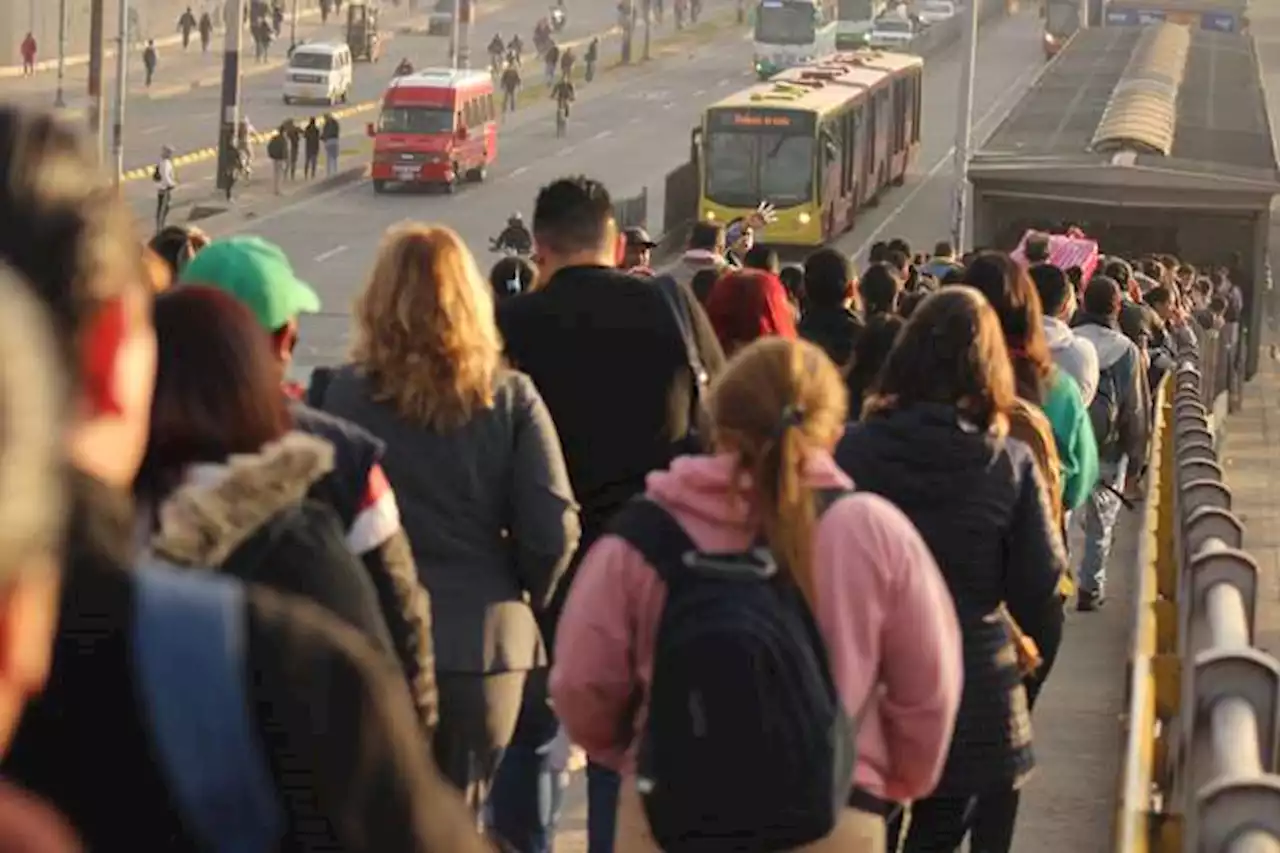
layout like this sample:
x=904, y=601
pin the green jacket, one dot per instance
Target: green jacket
x=1073, y=432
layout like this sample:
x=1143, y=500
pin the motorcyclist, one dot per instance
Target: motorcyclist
x=405, y=68
x=559, y=15
x=497, y=47
x=515, y=47
x=515, y=236
x=541, y=34
x=567, y=59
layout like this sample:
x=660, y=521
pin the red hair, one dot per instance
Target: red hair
x=745, y=305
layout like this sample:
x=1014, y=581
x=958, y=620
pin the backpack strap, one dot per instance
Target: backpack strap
x=189, y=653
x=317, y=386
x=652, y=531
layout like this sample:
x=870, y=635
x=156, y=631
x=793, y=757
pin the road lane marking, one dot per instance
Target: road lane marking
x=518, y=171
x=998, y=106
x=699, y=92
x=324, y=256
x=604, y=134
x=156, y=129
x=565, y=152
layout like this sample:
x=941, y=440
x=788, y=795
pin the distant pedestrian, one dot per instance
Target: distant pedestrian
x=311, y=153
x=149, y=61
x=206, y=31
x=277, y=19
x=293, y=134
x=552, y=60
x=325, y=7
x=186, y=24
x=510, y=87
x=28, y=51
x=165, y=181
x=278, y=151
x=329, y=135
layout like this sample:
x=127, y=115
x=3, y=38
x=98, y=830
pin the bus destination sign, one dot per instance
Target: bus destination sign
x=747, y=119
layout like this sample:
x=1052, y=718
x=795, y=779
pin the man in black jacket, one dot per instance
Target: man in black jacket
x=610, y=359
x=829, y=320
x=259, y=274
x=335, y=725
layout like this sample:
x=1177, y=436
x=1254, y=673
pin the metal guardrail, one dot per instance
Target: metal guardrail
x=1203, y=720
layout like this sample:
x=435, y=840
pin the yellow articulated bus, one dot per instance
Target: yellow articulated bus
x=819, y=142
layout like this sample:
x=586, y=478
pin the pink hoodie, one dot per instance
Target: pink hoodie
x=883, y=607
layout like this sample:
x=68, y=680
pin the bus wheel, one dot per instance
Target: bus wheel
x=478, y=174
x=379, y=186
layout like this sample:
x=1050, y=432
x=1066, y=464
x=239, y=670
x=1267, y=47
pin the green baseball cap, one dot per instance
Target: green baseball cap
x=258, y=274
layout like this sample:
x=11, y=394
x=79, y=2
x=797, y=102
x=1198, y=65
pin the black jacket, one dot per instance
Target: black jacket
x=836, y=330
x=978, y=504
x=374, y=533
x=338, y=731
x=251, y=519
x=606, y=352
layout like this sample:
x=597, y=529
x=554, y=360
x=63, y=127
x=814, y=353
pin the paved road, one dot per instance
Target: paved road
x=188, y=121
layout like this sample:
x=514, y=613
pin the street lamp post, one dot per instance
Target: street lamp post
x=59, y=100
x=648, y=15
x=293, y=26
x=964, y=128
x=122, y=73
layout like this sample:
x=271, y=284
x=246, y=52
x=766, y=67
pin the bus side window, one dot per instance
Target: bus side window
x=491, y=112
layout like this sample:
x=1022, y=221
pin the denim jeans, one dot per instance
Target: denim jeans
x=603, y=785
x=1100, y=514
x=524, y=802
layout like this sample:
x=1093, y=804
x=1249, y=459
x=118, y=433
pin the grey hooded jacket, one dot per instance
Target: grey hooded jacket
x=1119, y=355
x=1074, y=355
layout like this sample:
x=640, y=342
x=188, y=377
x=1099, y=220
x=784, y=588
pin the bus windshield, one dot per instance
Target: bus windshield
x=744, y=167
x=1062, y=18
x=415, y=120
x=786, y=23
x=855, y=10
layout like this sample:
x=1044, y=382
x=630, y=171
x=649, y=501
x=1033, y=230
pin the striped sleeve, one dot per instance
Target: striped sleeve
x=378, y=517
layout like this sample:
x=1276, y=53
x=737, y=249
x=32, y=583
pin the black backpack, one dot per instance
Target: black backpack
x=1104, y=408
x=276, y=148
x=747, y=745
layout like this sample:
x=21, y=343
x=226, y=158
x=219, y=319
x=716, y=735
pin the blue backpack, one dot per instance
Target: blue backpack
x=190, y=666
x=747, y=745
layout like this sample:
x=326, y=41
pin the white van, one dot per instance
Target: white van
x=318, y=72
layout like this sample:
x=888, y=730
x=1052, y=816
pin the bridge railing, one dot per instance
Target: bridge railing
x=1202, y=735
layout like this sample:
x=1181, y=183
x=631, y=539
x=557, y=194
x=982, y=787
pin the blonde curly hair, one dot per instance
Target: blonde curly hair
x=425, y=332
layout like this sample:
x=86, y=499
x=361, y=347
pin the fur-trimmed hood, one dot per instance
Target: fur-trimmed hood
x=221, y=505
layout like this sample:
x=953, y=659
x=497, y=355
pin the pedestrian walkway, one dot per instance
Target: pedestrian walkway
x=1251, y=467
x=178, y=71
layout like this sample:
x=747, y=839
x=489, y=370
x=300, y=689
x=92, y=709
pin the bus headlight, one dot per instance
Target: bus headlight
x=710, y=215
x=803, y=217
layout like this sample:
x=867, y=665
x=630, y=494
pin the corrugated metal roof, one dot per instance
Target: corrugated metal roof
x=1142, y=112
x=1221, y=128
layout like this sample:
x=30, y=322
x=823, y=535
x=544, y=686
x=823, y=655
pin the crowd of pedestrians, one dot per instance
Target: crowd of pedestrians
x=785, y=561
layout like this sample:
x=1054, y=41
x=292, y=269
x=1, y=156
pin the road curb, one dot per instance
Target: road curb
x=238, y=213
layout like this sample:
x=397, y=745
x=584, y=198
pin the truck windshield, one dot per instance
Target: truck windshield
x=320, y=61
x=745, y=167
x=415, y=120
x=1062, y=18
x=893, y=25
x=785, y=23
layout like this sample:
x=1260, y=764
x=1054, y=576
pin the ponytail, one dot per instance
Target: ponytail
x=775, y=403
x=786, y=504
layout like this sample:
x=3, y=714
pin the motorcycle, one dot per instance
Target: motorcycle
x=558, y=18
